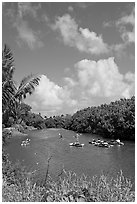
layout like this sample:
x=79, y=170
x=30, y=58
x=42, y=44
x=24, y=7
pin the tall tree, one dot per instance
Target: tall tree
x=12, y=95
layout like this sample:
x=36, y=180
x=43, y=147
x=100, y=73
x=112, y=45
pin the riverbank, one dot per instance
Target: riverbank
x=18, y=130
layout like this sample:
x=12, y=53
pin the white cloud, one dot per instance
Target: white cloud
x=126, y=28
x=103, y=79
x=27, y=35
x=93, y=82
x=50, y=96
x=128, y=35
x=70, y=82
x=130, y=77
x=83, y=39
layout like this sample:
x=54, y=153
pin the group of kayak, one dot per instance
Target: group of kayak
x=25, y=142
x=98, y=143
x=101, y=143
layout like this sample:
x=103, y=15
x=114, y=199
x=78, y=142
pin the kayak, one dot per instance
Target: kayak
x=76, y=144
x=120, y=143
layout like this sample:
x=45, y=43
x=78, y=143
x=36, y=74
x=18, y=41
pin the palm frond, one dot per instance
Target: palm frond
x=7, y=63
x=8, y=92
x=27, y=86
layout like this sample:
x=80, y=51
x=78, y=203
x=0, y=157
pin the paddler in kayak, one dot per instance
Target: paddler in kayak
x=60, y=136
x=77, y=139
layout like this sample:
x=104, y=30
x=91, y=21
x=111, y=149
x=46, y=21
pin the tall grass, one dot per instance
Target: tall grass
x=69, y=188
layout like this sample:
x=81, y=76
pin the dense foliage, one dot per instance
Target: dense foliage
x=115, y=120
x=35, y=120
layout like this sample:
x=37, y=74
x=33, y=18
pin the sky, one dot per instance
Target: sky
x=85, y=52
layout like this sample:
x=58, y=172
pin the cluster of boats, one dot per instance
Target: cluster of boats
x=101, y=143
x=98, y=143
x=25, y=142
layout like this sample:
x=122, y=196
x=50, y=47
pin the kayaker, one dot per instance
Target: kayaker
x=60, y=136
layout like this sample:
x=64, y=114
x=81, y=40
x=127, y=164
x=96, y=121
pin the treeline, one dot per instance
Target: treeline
x=115, y=120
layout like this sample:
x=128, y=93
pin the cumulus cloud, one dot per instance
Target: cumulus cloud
x=92, y=82
x=83, y=39
x=49, y=96
x=70, y=82
x=103, y=79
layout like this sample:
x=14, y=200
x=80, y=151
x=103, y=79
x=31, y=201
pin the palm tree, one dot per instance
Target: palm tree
x=12, y=95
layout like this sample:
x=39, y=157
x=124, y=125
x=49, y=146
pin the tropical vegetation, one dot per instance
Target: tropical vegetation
x=114, y=120
x=12, y=95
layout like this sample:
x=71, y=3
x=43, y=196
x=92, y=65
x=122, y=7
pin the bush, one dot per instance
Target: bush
x=6, y=135
x=19, y=127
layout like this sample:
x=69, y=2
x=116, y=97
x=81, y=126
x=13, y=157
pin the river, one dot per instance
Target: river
x=90, y=160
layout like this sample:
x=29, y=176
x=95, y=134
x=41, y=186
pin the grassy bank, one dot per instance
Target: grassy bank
x=19, y=186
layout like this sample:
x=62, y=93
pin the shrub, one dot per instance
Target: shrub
x=72, y=188
x=22, y=192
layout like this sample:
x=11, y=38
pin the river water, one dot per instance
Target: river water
x=90, y=160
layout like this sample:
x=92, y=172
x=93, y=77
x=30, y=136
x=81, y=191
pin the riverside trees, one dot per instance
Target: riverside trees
x=114, y=120
x=12, y=95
